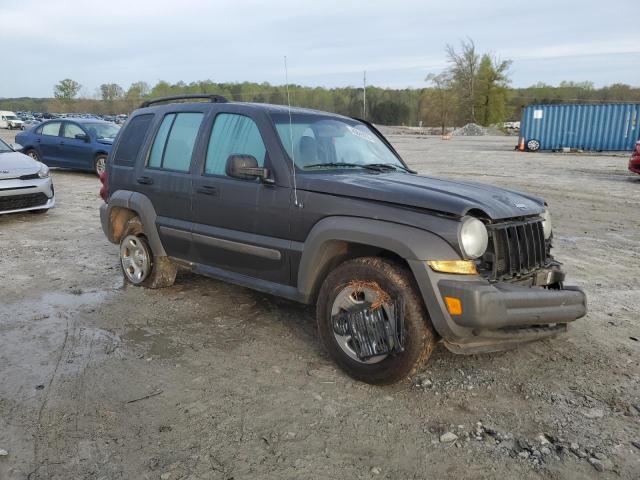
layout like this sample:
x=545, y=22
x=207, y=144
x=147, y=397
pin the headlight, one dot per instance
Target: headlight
x=473, y=237
x=546, y=224
x=44, y=171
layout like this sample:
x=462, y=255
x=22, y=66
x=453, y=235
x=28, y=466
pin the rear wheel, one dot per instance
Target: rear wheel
x=139, y=264
x=33, y=154
x=100, y=164
x=375, y=283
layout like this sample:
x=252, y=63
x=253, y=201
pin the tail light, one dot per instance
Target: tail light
x=104, y=189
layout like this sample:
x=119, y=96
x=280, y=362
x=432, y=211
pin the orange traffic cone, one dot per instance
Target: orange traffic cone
x=521, y=144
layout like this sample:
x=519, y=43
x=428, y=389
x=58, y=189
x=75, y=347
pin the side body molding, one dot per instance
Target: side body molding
x=329, y=237
x=140, y=204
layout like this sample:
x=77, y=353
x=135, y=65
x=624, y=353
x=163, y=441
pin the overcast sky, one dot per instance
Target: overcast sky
x=327, y=42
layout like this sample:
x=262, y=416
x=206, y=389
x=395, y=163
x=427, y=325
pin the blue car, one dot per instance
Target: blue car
x=77, y=143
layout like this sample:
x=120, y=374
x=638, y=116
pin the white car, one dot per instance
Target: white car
x=10, y=120
x=25, y=183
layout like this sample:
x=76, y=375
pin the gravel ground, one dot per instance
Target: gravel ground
x=209, y=380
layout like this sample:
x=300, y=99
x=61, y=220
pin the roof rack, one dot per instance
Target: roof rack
x=212, y=99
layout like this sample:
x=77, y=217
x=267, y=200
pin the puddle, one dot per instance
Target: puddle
x=156, y=345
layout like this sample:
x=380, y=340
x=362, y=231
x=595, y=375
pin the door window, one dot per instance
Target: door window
x=233, y=135
x=52, y=129
x=174, y=142
x=71, y=130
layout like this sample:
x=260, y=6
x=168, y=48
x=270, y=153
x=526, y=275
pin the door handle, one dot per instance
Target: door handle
x=38, y=140
x=145, y=180
x=208, y=190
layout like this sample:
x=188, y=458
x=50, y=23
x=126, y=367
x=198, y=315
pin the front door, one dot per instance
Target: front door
x=166, y=180
x=240, y=225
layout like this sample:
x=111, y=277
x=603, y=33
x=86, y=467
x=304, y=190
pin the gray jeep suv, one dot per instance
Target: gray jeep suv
x=320, y=208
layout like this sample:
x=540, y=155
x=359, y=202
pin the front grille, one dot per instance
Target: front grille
x=15, y=202
x=515, y=249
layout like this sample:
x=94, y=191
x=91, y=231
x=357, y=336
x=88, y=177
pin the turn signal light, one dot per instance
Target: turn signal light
x=464, y=267
x=454, y=305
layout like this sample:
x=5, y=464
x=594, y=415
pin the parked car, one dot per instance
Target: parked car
x=30, y=123
x=634, y=160
x=81, y=144
x=25, y=184
x=321, y=209
x=10, y=120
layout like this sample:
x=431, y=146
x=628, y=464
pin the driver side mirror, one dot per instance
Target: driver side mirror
x=16, y=147
x=82, y=136
x=245, y=167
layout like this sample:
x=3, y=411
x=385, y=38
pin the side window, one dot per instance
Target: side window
x=233, y=134
x=71, y=130
x=51, y=129
x=131, y=140
x=174, y=142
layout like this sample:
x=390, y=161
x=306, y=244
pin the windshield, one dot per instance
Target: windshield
x=103, y=130
x=324, y=142
x=4, y=148
x=11, y=117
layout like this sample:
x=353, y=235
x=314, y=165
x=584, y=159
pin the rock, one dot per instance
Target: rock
x=574, y=447
x=593, y=413
x=3, y=452
x=165, y=476
x=597, y=464
x=509, y=444
x=448, y=437
x=636, y=444
x=600, y=456
x=524, y=454
x=542, y=439
x=545, y=451
x=376, y=470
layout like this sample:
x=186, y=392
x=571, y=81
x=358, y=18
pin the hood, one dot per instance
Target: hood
x=447, y=196
x=16, y=164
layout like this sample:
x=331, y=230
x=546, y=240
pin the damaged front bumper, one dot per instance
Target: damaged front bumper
x=498, y=316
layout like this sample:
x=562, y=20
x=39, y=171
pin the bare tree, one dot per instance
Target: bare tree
x=464, y=70
x=440, y=99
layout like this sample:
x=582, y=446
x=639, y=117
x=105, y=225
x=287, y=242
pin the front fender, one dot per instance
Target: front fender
x=328, y=237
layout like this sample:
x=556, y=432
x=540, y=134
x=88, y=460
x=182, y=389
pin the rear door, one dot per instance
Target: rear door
x=75, y=152
x=47, y=142
x=165, y=178
x=240, y=225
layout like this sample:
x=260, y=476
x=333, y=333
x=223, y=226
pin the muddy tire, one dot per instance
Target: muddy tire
x=396, y=283
x=156, y=271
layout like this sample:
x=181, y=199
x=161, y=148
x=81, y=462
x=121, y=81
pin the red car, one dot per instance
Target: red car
x=634, y=161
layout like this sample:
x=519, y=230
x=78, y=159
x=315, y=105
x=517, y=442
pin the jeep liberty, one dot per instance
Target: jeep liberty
x=320, y=208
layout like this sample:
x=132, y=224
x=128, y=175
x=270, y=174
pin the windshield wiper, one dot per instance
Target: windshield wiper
x=339, y=164
x=392, y=166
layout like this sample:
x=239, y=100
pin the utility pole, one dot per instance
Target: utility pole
x=364, y=96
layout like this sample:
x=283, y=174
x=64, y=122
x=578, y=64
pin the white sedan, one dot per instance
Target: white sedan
x=25, y=183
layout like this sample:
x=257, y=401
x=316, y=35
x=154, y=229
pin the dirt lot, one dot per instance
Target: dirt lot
x=239, y=387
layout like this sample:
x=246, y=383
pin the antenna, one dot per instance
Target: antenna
x=293, y=155
x=364, y=96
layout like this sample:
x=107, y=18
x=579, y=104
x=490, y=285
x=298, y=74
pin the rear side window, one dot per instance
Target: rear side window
x=174, y=142
x=131, y=140
x=233, y=135
x=51, y=129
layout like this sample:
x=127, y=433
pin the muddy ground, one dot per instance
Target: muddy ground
x=236, y=382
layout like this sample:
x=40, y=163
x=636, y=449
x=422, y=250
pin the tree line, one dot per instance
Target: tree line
x=475, y=87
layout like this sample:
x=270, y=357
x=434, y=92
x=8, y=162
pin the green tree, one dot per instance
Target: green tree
x=111, y=92
x=66, y=89
x=492, y=84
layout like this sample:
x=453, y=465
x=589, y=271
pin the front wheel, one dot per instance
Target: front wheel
x=362, y=286
x=533, y=145
x=33, y=154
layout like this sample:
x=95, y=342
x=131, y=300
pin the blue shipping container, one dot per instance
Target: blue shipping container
x=604, y=127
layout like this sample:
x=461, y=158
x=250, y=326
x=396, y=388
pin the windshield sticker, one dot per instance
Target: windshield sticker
x=364, y=135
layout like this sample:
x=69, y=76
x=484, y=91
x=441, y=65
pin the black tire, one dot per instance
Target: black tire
x=33, y=154
x=533, y=145
x=99, y=167
x=163, y=270
x=40, y=211
x=398, y=283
